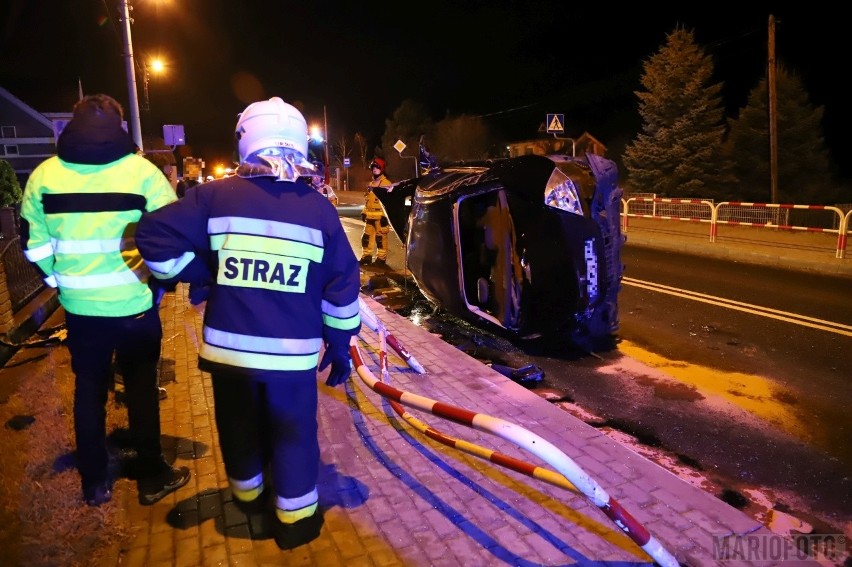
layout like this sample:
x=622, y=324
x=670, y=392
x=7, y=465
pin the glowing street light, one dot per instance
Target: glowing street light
x=320, y=135
x=157, y=65
x=316, y=136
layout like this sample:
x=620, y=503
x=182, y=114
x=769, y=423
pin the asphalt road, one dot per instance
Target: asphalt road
x=764, y=352
x=735, y=373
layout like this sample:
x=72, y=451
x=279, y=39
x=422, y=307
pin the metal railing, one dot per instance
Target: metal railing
x=782, y=218
x=22, y=279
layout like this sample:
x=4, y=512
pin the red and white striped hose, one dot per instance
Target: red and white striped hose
x=524, y=439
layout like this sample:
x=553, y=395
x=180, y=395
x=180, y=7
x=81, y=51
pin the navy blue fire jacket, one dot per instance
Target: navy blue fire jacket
x=282, y=275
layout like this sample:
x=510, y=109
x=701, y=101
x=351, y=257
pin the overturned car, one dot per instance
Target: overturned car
x=527, y=246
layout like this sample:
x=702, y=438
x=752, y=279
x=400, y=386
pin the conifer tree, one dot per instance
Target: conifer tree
x=410, y=120
x=678, y=153
x=803, y=163
x=10, y=189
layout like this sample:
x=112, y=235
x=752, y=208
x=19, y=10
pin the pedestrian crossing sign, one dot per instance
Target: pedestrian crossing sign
x=555, y=123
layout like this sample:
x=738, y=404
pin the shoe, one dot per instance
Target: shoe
x=290, y=536
x=153, y=488
x=380, y=263
x=97, y=495
x=366, y=260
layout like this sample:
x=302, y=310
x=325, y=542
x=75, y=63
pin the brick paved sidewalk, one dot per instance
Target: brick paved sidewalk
x=394, y=497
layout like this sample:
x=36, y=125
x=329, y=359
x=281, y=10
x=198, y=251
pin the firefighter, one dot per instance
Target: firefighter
x=269, y=256
x=376, y=225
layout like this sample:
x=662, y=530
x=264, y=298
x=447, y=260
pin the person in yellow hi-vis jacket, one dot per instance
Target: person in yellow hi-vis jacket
x=78, y=215
x=376, y=225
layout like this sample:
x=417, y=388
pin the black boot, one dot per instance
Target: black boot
x=290, y=536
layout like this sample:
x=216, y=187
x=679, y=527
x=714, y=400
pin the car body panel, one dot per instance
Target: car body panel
x=482, y=244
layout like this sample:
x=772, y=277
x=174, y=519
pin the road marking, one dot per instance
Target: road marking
x=796, y=319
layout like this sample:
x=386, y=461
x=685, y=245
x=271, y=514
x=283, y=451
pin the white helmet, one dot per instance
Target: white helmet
x=271, y=124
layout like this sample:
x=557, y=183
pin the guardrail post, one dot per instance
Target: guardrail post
x=842, y=235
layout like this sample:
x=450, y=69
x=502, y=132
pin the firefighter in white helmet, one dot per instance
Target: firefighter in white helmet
x=283, y=285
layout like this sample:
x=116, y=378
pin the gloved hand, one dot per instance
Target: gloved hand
x=341, y=364
x=198, y=293
x=158, y=289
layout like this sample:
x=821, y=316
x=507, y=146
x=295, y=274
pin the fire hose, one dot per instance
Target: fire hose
x=570, y=476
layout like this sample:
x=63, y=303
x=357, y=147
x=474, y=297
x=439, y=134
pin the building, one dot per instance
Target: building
x=27, y=137
x=547, y=146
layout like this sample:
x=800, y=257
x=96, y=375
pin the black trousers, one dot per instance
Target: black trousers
x=135, y=342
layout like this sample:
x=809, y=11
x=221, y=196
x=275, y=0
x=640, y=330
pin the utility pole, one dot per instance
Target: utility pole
x=325, y=126
x=773, y=113
x=135, y=127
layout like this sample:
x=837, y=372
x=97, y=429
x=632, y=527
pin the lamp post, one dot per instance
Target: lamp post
x=155, y=65
x=325, y=138
x=130, y=69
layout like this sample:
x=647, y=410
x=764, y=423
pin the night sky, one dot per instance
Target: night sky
x=509, y=61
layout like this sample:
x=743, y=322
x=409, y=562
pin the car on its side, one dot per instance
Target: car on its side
x=527, y=246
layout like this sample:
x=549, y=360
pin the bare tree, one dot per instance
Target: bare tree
x=361, y=142
x=341, y=149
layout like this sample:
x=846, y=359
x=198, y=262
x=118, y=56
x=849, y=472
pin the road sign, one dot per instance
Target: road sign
x=346, y=162
x=555, y=123
x=173, y=135
x=399, y=146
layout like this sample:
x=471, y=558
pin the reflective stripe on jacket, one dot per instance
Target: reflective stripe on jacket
x=78, y=222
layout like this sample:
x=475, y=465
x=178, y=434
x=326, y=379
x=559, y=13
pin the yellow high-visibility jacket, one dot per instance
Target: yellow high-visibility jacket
x=372, y=206
x=77, y=227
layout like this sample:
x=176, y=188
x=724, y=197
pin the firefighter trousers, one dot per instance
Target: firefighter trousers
x=375, y=235
x=270, y=424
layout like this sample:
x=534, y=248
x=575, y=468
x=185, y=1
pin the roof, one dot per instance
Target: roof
x=34, y=114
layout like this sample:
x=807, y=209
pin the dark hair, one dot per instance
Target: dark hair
x=98, y=103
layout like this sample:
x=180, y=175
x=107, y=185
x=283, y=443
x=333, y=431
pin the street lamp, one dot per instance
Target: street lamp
x=325, y=124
